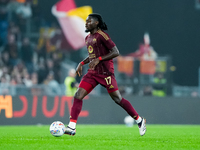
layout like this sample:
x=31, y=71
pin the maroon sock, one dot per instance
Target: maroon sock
x=129, y=108
x=76, y=109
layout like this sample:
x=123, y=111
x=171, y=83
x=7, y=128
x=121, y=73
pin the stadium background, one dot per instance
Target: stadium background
x=174, y=31
x=173, y=26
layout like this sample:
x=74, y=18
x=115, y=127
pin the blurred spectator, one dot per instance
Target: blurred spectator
x=42, y=71
x=42, y=45
x=48, y=41
x=27, y=54
x=57, y=59
x=56, y=38
x=34, y=78
x=16, y=73
x=147, y=90
x=16, y=65
x=12, y=86
x=50, y=65
x=1, y=44
x=4, y=79
x=13, y=81
x=159, y=85
x=145, y=51
x=3, y=8
x=12, y=7
x=5, y=58
x=27, y=80
x=51, y=68
x=71, y=83
x=5, y=73
x=18, y=78
x=3, y=24
x=24, y=10
x=34, y=89
x=36, y=15
x=4, y=85
x=52, y=87
x=14, y=29
x=12, y=50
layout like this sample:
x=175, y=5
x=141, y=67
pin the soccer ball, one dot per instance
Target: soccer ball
x=129, y=121
x=57, y=128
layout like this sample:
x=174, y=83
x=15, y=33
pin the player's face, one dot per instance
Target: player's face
x=90, y=24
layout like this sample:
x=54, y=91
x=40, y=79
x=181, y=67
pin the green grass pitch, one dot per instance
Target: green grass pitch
x=102, y=137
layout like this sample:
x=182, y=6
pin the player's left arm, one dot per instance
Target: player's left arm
x=114, y=52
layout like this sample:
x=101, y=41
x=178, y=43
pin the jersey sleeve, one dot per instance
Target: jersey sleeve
x=86, y=38
x=106, y=40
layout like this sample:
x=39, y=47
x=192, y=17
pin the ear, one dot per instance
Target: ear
x=96, y=22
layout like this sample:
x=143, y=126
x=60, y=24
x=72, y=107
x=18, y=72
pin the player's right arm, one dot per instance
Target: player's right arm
x=80, y=66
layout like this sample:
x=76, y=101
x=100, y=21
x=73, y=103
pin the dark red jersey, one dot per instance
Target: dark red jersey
x=100, y=44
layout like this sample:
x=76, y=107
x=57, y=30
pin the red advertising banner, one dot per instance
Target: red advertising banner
x=36, y=107
x=32, y=110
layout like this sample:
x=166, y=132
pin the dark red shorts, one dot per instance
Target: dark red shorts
x=91, y=80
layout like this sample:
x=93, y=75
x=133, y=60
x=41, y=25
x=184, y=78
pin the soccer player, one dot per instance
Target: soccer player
x=101, y=51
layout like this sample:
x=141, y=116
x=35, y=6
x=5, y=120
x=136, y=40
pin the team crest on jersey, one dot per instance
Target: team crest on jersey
x=94, y=41
x=90, y=49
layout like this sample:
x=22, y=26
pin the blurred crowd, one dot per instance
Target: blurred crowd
x=32, y=50
x=22, y=60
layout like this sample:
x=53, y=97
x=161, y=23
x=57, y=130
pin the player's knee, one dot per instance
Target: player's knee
x=116, y=96
x=116, y=100
x=80, y=94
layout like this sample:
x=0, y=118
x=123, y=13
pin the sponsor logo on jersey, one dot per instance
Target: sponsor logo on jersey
x=92, y=56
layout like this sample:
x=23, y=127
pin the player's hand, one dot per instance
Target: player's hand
x=79, y=69
x=93, y=63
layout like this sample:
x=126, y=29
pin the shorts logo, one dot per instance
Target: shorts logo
x=111, y=87
x=90, y=49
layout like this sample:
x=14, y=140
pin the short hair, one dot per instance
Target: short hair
x=102, y=25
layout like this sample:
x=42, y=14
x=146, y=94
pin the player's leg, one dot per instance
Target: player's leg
x=85, y=87
x=111, y=85
x=75, y=111
x=126, y=105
